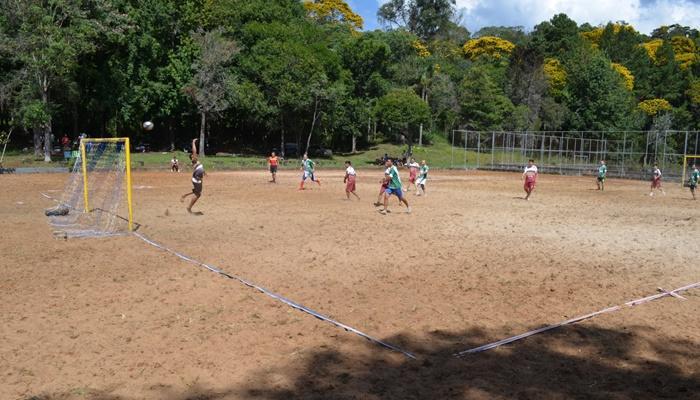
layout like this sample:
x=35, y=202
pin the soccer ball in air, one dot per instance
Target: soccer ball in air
x=148, y=125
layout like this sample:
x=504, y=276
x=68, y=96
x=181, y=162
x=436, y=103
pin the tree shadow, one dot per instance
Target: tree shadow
x=574, y=363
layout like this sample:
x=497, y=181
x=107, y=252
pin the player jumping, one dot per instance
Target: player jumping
x=656, y=181
x=530, y=178
x=693, y=181
x=197, y=177
x=422, y=178
x=393, y=187
x=273, y=162
x=349, y=180
x=307, y=165
x=602, y=172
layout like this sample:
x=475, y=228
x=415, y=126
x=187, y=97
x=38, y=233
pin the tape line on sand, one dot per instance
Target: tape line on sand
x=276, y=296
x=664, y=293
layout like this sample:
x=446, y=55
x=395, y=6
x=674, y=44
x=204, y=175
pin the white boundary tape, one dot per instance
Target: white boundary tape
x=664, y=293
x=276, y=297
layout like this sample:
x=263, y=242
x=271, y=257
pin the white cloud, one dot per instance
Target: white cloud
x=645, y=15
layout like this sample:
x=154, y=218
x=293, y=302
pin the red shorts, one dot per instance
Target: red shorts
x=529, y=183
x=350, y=184
x=412, y=177
x=383, y=188
x=656, y=183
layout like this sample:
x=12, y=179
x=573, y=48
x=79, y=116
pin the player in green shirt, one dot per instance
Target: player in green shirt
x=602, y=172
x=393, y=180
x=693, y=181
x=422, y=178
x=308, y=166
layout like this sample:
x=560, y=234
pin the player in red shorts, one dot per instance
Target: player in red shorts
x=413, y=167
x=530, y=178
x=349, y=180
x=656, y=181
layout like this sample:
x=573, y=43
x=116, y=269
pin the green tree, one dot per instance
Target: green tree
x=403, y=111
x=425, y=18
x=484, y=104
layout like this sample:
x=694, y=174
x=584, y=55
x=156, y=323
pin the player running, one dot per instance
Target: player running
x=349, y=180
x=656, y=181
x=197, y=178
x=602, y=173
x=308, y=166
x=393, y=187
x=413, y=167
x=422, y=178
x=273, y=162
x=530, y=178
x=693, y=181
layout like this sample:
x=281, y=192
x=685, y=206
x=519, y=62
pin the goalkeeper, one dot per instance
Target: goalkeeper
x=197, y=178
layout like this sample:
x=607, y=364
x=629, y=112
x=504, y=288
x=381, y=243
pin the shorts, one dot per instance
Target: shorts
x=273, y=169
x=197, y=188
x=421, y=181
x=693, y=186
x=529, y=184
x=398, y=192
x=601, y=179
x=308, y=175
x=656, y=183
x=350, y=184
x=383, y=188
x=412, y=177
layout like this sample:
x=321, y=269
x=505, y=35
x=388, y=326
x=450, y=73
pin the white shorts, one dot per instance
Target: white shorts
x=421, y=181
x=308, y=175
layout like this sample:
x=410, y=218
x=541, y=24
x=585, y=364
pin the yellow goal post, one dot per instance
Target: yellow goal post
x=84, y=145
x=688, y=161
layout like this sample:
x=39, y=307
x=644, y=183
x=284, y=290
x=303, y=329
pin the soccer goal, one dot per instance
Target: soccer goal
x=96, y=200
x=688, y=162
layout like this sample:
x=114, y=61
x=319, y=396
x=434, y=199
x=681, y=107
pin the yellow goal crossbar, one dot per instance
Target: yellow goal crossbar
x=686, y=158
x=127, y=152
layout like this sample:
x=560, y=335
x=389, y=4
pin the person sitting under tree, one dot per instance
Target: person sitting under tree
x=197, y=178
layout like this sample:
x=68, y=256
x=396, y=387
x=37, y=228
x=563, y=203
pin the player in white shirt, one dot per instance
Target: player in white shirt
x=413, y=168
x=197, y=178
x=656, y=181
x=349, y=180
x=530, y=178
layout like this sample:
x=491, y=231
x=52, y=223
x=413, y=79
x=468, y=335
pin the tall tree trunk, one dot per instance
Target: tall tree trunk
x=202, y=134
x=354, y=144
x=171, y=135
x=47, y=142
x=313, y=124
x=38, y=142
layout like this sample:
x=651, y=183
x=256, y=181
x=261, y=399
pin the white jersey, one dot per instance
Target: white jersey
x=350, y=171
x=657, y=173
x=532, y=169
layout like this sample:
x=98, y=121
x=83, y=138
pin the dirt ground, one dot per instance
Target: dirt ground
x=118, y=319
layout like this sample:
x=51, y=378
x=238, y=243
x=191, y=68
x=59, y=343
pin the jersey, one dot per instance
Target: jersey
x=272, y=161
x=198, y=173
x=424, y=172
x=350, y=171
x=532, y=169
x=394, y=178
x=414, y=166
x=308, y=165
x=602, y=171
x=694, y=177
x=657, y=173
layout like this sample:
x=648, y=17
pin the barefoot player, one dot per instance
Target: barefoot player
x=530, y=178
x=693, y=181
x=422, y=178
x=602, y=172
x=349, y=180
x=656, y=181
x=273, y=162
x=391, y=175
x=197, y=177
x=308, y=166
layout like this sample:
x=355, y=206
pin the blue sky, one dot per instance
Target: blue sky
x=645, y=15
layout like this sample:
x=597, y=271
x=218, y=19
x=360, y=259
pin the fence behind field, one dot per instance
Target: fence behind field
x=629, y=154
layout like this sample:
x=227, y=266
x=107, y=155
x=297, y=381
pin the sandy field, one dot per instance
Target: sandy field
x=108, y=319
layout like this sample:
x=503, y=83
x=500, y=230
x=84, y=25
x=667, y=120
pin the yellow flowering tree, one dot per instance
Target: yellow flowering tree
x=627, y=76
x=593, y=36
x=652, y=107
x=421, y=49
x=333, y=10
x=685, y=51
x=555, y=74
x=652, y=47
x=487, y=46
